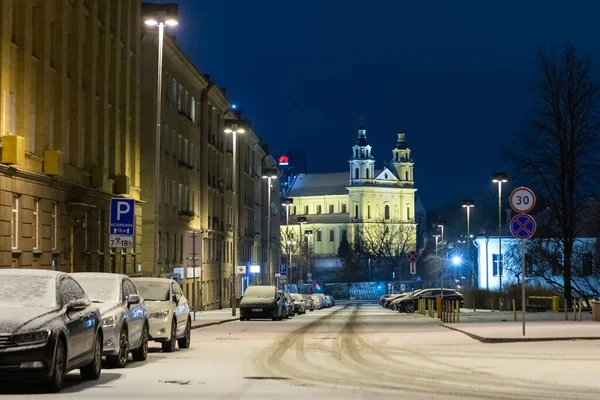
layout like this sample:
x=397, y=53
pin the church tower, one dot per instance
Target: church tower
x=362, y=163
x=402, y=161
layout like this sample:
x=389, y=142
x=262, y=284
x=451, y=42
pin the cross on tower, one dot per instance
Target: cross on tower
x=361, y=120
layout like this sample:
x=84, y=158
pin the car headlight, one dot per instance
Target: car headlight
x=109, y=321
x=159, y=315
x=25, y=339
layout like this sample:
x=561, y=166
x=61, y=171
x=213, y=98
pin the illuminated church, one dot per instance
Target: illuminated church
x=336, y=204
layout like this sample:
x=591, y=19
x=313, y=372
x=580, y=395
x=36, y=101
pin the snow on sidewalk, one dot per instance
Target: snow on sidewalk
x=502, y=332
x=214, y=317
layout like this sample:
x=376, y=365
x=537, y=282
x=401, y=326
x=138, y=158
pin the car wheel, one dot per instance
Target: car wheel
x=169, y=347
x=409, y=308
x=92, y=371
x=120, y=360
x=141, y=353
x=185, y=341
x=57, y=378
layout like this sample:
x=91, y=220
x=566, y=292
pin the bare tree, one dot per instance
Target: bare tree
x=556, y=154
x=385, y=243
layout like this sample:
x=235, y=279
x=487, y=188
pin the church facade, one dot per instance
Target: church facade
x=362, y=200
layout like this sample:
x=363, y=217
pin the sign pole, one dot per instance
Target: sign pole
x=194, y=272
x=523, y=282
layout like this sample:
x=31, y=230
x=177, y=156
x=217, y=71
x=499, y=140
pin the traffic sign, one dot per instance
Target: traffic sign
x=522, y=200
x=402, y=287
x=283, y=269
x=412, y=256
x=241, y=270
x=522, y=226
x=309, y=275
x=121, y=226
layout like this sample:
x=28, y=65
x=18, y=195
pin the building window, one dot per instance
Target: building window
x=193, y=109
x=587, y=266
x=408, y=215
x=331, y=209
x=406, y=175
x=355, y=153
x=54, y=225
x=386, y=212
x=356, y=211
x=396, y=156
x=369, y=211
x=344, y=209
x=496, y=261
x=367, y=173
x=356, y=173
x=36, y=224
x=319, y=238
x=319, y=209
x=294, y=213
x=14, y=222
x=344, y=234
x=305, y=209
x=331, y=235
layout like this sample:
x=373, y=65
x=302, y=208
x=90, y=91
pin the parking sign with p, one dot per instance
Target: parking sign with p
x=121, y=227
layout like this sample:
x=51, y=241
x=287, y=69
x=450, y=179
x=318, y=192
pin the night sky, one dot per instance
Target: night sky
x=455, y=76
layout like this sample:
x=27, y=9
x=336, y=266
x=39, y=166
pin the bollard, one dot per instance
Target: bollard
x=566, y=310
x=492, y=299
x=438, y=298
x=580, y=307
x=443, y=311
x=452, y=315
x=555, y=303
x=431, y=309
x=473, y=305
x=514, y=309
x=458, y=311
x=575, y=310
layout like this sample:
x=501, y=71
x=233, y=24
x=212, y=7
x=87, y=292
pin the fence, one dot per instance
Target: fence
x=371, y=290
x=448, y=311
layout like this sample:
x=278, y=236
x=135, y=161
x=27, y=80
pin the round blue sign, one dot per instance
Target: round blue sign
x=522, y=226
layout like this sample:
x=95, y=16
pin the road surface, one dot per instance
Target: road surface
x=352, y=351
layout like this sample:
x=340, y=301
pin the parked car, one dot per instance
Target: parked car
x=168, y=312
x=125, y=326
x=408, y=304
x=309, y=302
x=262, y=302
x=318, y=302
x=393, y=305
x=332, y=301
x=289, y=302
x=48, y=327
x=384, y=297
x=388, y=300
x=299, y=303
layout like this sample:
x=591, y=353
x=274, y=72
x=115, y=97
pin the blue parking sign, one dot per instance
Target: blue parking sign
x=283, y=269
x=122, y=222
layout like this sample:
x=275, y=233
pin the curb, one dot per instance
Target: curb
x=519, y=340
x=214, y=323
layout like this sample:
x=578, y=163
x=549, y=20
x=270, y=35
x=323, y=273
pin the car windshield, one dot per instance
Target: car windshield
x=262, y=292
x=28, y=291
x=153, y=291
x=100, y=289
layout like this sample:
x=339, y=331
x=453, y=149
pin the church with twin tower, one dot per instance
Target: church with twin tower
x=342, y=203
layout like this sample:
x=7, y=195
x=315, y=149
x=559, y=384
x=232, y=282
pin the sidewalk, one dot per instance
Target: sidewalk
x=214, y=317
x=536, y=331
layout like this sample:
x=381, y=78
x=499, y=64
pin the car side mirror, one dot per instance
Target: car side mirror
x=76, y=305
x=133, y=299
x=176, y=298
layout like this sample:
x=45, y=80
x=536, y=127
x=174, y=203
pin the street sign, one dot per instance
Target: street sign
x=309, y=275
x=522, y=226
x=412, y=256
x=413, y=268
x=283, y=269
x=241, y=270
x=522, y=200
x=402, y=287
x=121, y=227
x=277, y=275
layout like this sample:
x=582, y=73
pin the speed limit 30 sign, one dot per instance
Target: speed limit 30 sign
x=522, y=200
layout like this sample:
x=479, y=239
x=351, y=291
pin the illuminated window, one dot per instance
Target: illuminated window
x=14, y=222
x=496, y=260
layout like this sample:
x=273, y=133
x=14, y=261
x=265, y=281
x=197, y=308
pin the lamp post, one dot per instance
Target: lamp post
x=160, y=16
x=290, y=243
x=468, y=204
x=437, y=237
x=287, y=202
x=234, y=130
x=308, y=234
x=301, y=221
x=269, y=174
x=500, y=178
x=441, y=226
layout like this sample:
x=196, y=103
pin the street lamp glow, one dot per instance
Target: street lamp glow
x=171, y=22
x=456, y=260
x=151, y=22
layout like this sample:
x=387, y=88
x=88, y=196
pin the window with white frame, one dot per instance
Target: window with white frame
x=14, y=222
x=36, y=224
x=54, y=225
x=174, y=193
x=180, y=197
x=174, y=91
x=193, y=110
x=186, y=198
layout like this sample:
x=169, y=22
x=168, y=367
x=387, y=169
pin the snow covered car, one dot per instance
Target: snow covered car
x=124, y=317
x=262, y=302
x=317, y=301
x=299, y=303
x=290, y=303
x=168, y=312
x=48, y=327
x=309, y=303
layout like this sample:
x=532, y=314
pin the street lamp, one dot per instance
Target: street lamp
x=301, y=220
x=159, y=15
x=290, y=243
x=437, y=237
x=269, y=174
x=308, y=234
x=441, y=226
x=234, y=129
x=468, y=204
x=500, y=178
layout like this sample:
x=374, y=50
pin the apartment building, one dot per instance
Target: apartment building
x=69, y=127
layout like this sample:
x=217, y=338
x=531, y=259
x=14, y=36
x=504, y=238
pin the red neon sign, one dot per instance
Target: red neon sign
x=284, y=160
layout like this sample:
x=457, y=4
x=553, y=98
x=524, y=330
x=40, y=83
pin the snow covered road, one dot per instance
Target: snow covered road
x=350, y=351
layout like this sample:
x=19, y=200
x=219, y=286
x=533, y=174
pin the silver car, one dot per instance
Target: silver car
x=124, y=317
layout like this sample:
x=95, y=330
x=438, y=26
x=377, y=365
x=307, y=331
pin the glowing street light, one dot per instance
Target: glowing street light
x=500, y=178
x=456, y=260
x=468, y=204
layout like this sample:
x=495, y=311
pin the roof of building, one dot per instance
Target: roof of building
x=320, y=184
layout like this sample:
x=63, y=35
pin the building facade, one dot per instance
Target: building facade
x=69, y=125
x=196, y=181
x=347, y=203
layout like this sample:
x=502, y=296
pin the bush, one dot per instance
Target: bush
x=483, y=298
